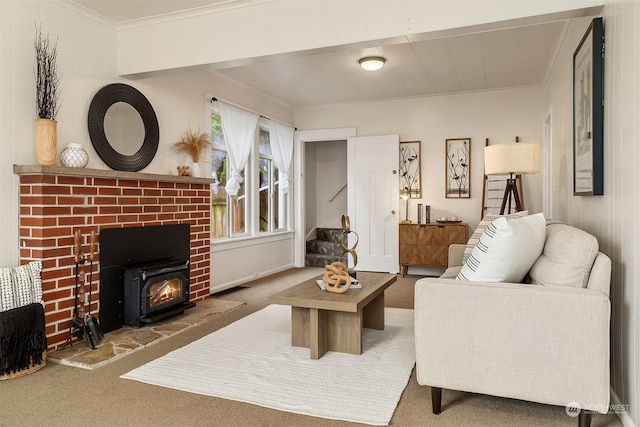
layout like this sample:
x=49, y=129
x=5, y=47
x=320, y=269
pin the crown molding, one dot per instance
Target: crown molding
x=162, y=18
x=71, y=5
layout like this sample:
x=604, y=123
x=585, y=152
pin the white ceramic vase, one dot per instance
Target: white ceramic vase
x=74, y=156
x=195, y=170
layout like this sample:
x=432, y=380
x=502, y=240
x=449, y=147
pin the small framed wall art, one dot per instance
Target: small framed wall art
x=458, y=168
x=410, y=181
x=588, y=112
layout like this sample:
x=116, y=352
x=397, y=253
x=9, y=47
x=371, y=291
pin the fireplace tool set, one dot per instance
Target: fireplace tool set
x=83, y=324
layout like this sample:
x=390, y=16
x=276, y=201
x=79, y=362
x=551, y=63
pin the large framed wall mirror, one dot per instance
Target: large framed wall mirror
x=123, y=127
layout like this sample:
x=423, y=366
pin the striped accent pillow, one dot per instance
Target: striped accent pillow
x=506, y=251
x=20, y=286
x=482, y=226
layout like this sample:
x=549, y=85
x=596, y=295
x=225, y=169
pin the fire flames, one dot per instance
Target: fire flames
x=165, y=291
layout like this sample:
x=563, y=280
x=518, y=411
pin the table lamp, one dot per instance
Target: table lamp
x=405, y=197
x=513, y=159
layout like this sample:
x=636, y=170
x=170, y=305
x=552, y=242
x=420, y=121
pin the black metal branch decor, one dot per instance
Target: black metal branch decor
x=46, y=74
x=47, y=98
x=410, y=169
x=458, y=156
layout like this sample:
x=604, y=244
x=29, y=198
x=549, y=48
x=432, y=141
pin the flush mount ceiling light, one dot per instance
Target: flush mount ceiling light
x=372, y=63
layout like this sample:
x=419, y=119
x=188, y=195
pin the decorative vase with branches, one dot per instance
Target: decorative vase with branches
x=194, y=144
x=47, y=98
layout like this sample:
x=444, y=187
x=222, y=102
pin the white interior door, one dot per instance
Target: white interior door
x=373, y=200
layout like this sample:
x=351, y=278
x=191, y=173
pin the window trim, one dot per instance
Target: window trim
x=272, y=227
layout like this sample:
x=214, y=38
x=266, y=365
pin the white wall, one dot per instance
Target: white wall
x=87, y=61
x=330, y=174
x=179, y=102
x=558, y=100
x=498, y=115
x=235, y=263
x=613, y=217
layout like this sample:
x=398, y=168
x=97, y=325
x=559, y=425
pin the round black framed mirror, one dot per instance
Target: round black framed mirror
x=116, y=153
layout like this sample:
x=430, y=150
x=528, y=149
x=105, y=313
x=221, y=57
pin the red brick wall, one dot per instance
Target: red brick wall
x=53, y=207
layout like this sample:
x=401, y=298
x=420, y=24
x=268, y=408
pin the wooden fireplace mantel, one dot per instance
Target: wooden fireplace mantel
x=105, y=173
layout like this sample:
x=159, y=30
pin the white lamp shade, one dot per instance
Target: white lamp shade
x=518, y=158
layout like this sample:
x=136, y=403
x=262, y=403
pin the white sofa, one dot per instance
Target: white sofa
x=546, y=341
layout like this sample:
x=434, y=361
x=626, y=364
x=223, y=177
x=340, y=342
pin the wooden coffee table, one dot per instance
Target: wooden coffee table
x=326, y=321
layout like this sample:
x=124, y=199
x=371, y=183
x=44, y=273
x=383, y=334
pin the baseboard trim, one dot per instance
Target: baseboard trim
x=624, y=417
x=246, y=279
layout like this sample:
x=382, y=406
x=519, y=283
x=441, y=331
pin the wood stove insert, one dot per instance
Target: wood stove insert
x=140, y=247
x=155, y=290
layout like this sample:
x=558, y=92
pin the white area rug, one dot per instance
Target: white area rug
x=252, y=361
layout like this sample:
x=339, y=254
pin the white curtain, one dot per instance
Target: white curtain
x=238, y=127
x=281, y=138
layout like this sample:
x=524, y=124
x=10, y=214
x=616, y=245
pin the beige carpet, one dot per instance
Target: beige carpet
x=127, y=340
x=59, y=395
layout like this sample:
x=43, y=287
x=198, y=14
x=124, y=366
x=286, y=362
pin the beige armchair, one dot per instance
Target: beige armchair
x=535, y=342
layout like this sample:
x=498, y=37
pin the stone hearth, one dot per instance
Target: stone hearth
x=127, y=340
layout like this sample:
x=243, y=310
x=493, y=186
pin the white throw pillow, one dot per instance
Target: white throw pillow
x=566, y=259
x=482, y=226
x=20, y=286
x=506, y=250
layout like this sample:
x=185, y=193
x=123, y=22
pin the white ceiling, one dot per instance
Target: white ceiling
x=513, y=57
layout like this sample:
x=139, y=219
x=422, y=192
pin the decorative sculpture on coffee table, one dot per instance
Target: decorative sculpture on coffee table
x=337, y=276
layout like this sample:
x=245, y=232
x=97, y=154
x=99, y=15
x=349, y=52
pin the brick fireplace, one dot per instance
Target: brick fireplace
x=57, y=201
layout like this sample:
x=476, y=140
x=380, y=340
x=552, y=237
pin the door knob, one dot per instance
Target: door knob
x=393, y=212
x=394, y=171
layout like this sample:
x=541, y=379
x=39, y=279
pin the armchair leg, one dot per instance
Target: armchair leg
x=584, y=419
x=436, y=400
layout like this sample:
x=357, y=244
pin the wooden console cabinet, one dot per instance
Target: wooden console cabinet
x=428, y=244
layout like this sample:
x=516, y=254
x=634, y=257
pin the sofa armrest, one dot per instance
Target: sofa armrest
x=600, y=277
x=538, y=343
x=456, y=251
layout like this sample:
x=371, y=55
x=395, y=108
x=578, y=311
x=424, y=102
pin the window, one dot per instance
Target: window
x=270, y=195
x=228, y=213
x=260, y=206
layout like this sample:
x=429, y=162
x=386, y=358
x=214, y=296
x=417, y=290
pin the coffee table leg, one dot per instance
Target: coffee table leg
x=317, y=333
x=374, y=313
x=322, y=330
x=345, y=331
x=299, y=327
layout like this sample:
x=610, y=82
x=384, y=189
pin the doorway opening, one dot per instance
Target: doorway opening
x=304, y=139
x=326, y=184
x=326, y=200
